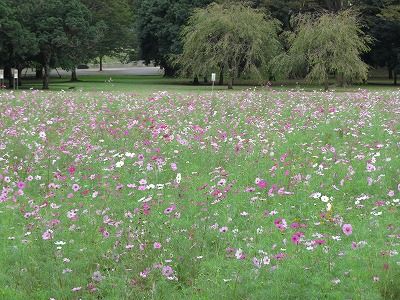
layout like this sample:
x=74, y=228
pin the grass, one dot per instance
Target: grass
x=143, y=85
x=117, y=195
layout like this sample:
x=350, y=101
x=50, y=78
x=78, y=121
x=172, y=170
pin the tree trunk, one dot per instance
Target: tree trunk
x=46, y=76
x=326, y=85
x=19, y=81
x=390, y=70
x=7, y=74
x=205, y=79
x=340, y=80
x=395, y=78
x=230, y=80
x=101, y=63
x=196, y=80
x=230, y=83
x=74, y=77
x=221, y=76
x=168, y=71
x=39, y=72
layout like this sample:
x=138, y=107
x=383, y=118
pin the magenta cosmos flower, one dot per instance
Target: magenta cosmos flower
x=347, y=229
x=21, y=185
x=262, y=184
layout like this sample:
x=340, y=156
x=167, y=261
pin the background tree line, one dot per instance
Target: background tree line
x=46, y=34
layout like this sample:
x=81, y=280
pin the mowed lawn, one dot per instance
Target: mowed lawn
x=143, y=85
x=254, y=194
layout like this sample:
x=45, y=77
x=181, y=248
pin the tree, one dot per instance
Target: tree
x=118, y=27
x=320, y=49
x=159, y=23
x=17, y=42
x=82, y=35
x=390, y=15
x=60, y=27
x=234, y=38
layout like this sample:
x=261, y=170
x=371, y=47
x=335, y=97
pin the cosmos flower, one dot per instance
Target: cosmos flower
x=47, y=235
x=347, y=229
x=167, y=271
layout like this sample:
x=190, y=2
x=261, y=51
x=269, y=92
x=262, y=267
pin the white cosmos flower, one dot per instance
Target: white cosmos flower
x=328, y=207
x=325, y=199
x=178, y=178
x=316, y=195
x=119, y=164
x=129, y=154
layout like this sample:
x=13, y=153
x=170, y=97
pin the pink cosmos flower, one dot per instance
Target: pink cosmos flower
x=167, y=271
x=347, y=229
x=47, y=235
x=370, y=167
x=144, y=273
x=262, y=184
x=75, y=187
x=157, y=245
x=223, y=229
x=71, y=170
x=319, y=242
x=169, y=210
x=256, y=262
x=21, y=185
x=280, y=224
x=295, y=239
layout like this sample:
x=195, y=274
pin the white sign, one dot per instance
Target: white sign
x=15, y=74
x=1, y=74
x=213, y=75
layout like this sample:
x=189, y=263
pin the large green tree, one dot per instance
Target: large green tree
x=118, y=27
x=319, y=49
x=159, y=23
x=61, y=27
x=17, y=42
x=234, y=38
x=383, y=21
x=390, y=16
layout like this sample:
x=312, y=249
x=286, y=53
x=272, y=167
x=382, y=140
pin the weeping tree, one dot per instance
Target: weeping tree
x=231, y=39
x=324, y=45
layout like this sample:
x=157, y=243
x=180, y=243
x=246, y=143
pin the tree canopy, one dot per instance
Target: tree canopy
x=159, y=23
x=117, y=27
x=318, y=48
x=234, y=38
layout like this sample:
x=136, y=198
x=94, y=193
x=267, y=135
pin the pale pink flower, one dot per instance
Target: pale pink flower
x=347, y=229
x=47, y=235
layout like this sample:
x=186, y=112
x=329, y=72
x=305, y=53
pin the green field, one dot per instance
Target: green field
x=251, y=194
x=146, y=84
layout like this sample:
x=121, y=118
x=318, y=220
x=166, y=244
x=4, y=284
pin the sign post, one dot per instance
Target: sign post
x=16, y=79
x=213, y=76
x=1, y=79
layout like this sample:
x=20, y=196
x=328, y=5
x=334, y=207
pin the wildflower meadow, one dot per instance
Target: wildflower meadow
x=247, y=195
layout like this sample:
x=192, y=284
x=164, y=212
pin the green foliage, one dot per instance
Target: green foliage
x=319, y=49
x=116, y=21
x=17, y=43
x=234, y=38
x=159, y=23
x=63, y=32
x=390, y=16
